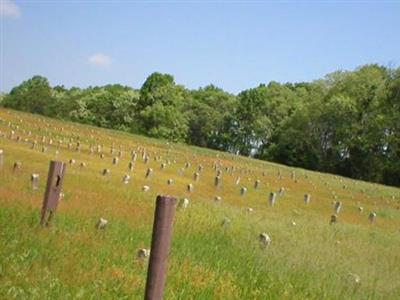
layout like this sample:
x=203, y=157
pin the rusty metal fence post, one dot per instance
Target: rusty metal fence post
x=160, y=244
x=53, y=189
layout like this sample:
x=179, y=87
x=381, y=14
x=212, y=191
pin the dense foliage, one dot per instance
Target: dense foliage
x=347, y=123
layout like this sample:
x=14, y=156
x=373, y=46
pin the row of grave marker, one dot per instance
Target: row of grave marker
x=216, y=165
x=272, y=196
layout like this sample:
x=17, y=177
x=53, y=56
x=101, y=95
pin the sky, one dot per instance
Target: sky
x=234, y=45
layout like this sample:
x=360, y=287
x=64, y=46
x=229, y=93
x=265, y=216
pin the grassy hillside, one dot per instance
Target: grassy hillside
x=307, y=258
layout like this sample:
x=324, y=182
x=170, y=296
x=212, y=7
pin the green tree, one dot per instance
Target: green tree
x=295, y=140
x=210, y=116
x=367, y=87
x=161, y=108
x=251, y=125
x=391, y=111
x=260, y=113
x=32, y=95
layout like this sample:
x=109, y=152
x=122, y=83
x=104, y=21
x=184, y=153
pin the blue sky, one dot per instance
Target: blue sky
x=234, y=45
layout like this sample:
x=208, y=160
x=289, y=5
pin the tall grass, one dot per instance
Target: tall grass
x=208, y=260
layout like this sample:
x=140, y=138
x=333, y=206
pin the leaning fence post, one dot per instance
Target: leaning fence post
x=160, y=244
x=53, y=189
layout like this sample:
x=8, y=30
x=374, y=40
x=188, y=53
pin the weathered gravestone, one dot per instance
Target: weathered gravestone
x=35, y=181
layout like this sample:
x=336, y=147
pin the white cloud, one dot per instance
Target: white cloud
x=9, y=9
x=100, y=60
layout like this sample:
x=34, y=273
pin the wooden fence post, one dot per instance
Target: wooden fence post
x=53, y=189
x=160, y=244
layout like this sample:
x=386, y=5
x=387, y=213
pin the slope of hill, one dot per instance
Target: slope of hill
x=216, y=253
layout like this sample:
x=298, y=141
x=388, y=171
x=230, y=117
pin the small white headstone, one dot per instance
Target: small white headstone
x=272, y=199
x=184, y=203
x=337, y=207
x=307, y=199
x=149, y=172
x=143, y=253
x=101, y=224
x=35, y=181
x=264, y=239
x=217, y=181
x=372, y=217
x=126, y=179
x=243, y=191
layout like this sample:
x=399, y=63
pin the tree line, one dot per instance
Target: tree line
x=346, y=123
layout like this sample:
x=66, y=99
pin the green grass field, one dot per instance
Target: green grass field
x=70, y=259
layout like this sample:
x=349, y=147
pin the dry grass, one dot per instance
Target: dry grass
x=71, y=260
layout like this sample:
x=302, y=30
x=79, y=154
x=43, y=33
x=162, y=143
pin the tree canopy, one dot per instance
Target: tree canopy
x=346, y=123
